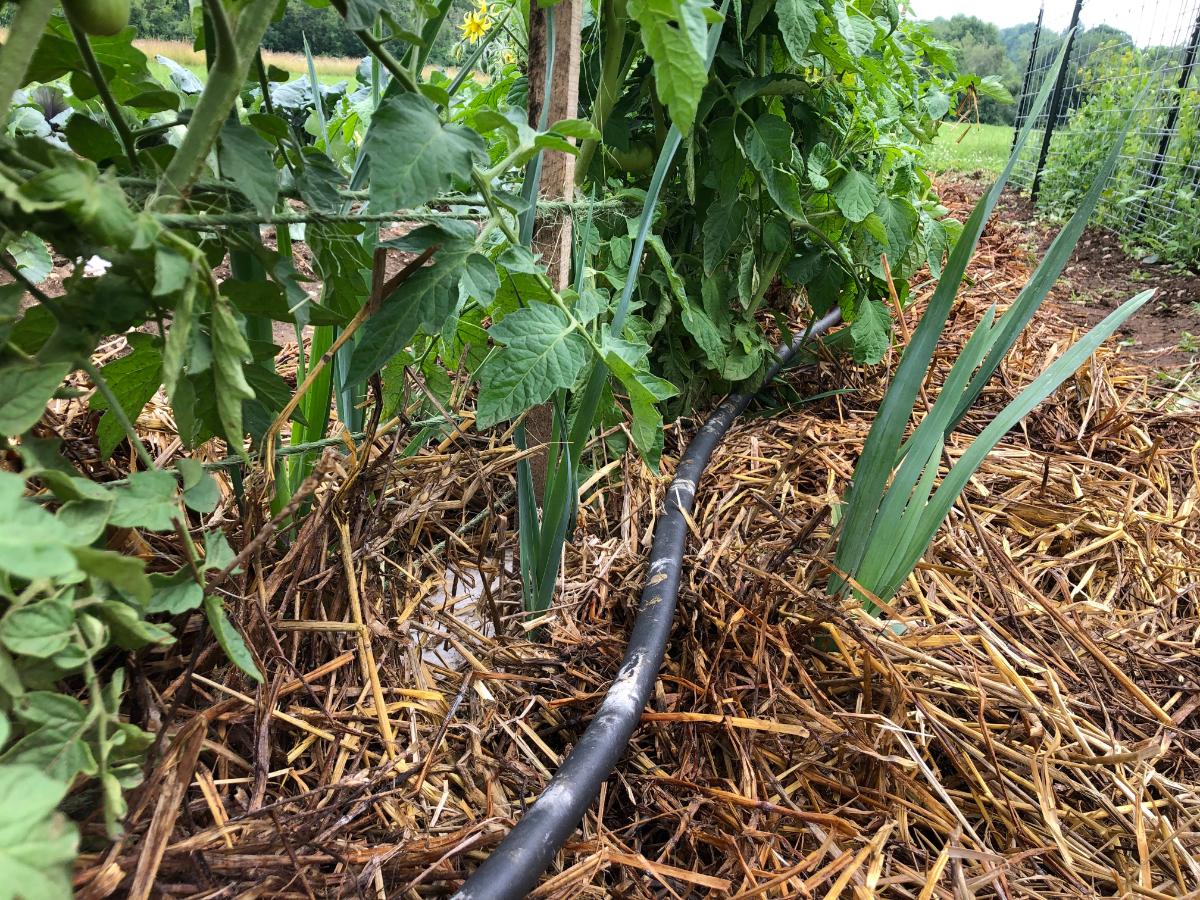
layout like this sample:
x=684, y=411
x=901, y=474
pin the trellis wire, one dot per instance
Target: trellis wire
x=1139, y=59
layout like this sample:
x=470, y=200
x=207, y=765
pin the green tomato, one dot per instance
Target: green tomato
x=101, y=18
x=637, y=160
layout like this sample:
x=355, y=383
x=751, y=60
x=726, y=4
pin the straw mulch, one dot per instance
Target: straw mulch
x=1030, y=730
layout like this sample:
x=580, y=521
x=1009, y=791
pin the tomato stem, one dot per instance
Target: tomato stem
x=106, y=95
x=234, y=51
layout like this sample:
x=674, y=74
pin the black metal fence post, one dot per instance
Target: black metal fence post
x=1055, y=104
x=1023, y=100
x=1164, y=142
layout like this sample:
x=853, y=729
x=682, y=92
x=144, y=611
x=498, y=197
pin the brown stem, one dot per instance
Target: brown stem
x=317, y=367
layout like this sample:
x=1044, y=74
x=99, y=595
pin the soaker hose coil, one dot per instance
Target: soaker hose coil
x=514, y=867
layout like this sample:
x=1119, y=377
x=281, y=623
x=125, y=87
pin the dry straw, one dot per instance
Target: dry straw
x=1031, y=732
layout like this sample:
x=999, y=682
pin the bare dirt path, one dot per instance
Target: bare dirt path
x=1100, y=276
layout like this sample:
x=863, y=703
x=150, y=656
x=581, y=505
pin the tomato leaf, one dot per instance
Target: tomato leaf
x=540, y=352
x=674, y=35
x=37, y=843
x=26, y=386
x=147, y=501
x=871, y=330
x=134, y=379
x=229, y=638
x=248, y=160
x=413, y=155
x=856, y=195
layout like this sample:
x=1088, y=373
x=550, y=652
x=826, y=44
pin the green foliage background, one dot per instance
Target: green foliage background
x=1159, y=216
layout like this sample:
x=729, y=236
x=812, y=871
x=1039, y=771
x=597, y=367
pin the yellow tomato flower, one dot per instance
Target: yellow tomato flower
x=474, y=26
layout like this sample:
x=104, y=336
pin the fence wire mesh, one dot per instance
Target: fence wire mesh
x=1131, y=61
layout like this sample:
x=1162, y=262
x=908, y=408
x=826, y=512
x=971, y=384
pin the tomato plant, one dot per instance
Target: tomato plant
x=800, y=168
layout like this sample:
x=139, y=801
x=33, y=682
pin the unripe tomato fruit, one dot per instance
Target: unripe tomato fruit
x=637, y=160
x=101, y=18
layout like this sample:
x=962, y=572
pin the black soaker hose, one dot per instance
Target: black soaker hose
x=514, y=867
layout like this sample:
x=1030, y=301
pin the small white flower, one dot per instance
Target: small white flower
x=95, y=267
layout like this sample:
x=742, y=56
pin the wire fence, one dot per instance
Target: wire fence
x=1136, y=64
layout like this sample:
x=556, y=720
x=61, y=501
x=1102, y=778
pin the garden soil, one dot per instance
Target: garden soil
x=1101, y=275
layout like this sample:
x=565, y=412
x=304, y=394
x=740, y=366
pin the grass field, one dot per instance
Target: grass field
x=330, y=69
x=981, y=147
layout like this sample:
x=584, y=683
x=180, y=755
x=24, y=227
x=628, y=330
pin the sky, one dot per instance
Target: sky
x=1149, y=21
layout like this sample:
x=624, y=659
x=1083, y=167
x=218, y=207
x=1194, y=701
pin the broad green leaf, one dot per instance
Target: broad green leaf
x=426, y=300
x=38, y=629
x=722, y=226
x=10, y=678
x=872, y=331
x=134, y=379
x=856, y=195
x=89, y=138
x=540, y=353
x=49, y=708
x=129, y=630
x=173, y=272
x=125, y=573
x=768, y=145
x=247, y=160
x=704, y=332
x=674, y=35
x=819, y=160
x=217, y=552
x=268, y=300
x=57, y=751
x=674, y=281
x=37, y=843
x=479, y=281
x=30, y=254
x=184, y=79
x=321, y=182
x=33, y=543
x=413, y=155
x=229, y=638
x=148, y=501
x=747, y=282
x=26, y=386
x=86, y=519
x=174, y=594
x=200, y=491
x=645, y=392
x=855, y=29
x=10, y=308
x=900, y=221
x=96, y=202
x=361, y=14
x=797, y=22
x=581, y=129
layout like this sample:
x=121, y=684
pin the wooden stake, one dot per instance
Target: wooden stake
x=552, y=233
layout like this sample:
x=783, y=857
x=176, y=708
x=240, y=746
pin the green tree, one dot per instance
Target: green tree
x=168, y=20
x=980, y=50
